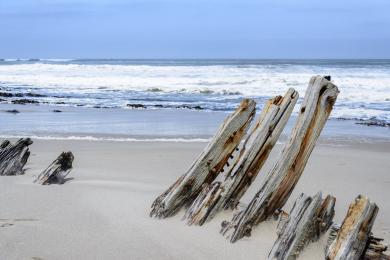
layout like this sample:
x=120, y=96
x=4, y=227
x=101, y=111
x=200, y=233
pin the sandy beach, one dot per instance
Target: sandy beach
x=103, y=213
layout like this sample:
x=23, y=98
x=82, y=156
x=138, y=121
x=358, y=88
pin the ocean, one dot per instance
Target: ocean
x=208, y=86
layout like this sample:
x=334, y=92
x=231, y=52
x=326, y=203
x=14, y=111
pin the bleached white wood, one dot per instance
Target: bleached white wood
x=309, y=218
x=209, y=163
x=352, y=238
x=318, y=102
x=257, y=146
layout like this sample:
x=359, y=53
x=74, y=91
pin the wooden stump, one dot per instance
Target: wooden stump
x=13, y=157
x=247, y=163
x=308, y=220
x=57, y=170
x=351, y=240
x=208, y=165
x=318, y=102
x=374, y=250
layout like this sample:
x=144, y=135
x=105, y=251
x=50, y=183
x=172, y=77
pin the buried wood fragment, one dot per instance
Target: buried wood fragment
x=209, y=163
x=353, y=239
x=253, y=154
x=13, y=157
x=309, y=218
x=276, y=188
x=57, y=170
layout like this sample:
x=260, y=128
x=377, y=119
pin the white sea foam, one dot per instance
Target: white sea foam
x=364, y=89
x=110, y=139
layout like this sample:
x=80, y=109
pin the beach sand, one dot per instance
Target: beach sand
x=103, y=213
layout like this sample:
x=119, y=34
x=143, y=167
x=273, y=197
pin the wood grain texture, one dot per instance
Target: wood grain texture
x=318, y=102
x=57, y=171
x=13, y=157
x=309, y=218
x=247, y=163
x=352, y=238
x=209, y=163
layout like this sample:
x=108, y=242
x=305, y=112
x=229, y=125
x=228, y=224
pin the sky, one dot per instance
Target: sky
x=195, y=29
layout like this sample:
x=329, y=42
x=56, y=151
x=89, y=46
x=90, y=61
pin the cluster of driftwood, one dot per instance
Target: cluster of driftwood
x=229, y=164
x=13, y=158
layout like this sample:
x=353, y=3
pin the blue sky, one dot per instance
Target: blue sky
x=194, y=29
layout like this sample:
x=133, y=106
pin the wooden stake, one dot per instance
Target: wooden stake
x=308, y=220
x=57, y=170
x=13, y=157
x=247, y=163
x=319, y=99
x=208, y=165
x=352, y=239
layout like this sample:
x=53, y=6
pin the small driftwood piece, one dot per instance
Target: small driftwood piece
x=57, y=170
x=308, y=220
x=13, y=157
x=318, y=102
x=253, y=154
x=209, y=163
x=375, y=249
x=353, y=240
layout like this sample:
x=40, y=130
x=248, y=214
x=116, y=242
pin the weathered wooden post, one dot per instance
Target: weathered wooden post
x=57, y=171
x=208, y=165
x=308, y=220
x=318, y=102
x=244, y=169
x=353, y=240
x=13, y=157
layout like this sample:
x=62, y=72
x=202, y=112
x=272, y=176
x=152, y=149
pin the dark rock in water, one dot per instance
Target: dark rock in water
x=159, y=106
x=5, y=94
x=57, y=111
x=136, y=106
x=2, y=100
x=24, y=101
x=13, y=157
x=97, y=107
x=60, y=103
x=345, y=119
x=34, y=95
x=328, y=77
x=13, y=111
x=373, y=122
x=190, y=107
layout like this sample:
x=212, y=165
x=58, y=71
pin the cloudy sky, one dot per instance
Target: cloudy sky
x=194, y=29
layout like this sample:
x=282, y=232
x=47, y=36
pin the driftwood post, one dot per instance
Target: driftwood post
x=13, y=157
x=374, y=250
x=208, y=165
x=308, y=220
x=318, y=102
x=57, y=171
x=352, y=240
x=248, y=163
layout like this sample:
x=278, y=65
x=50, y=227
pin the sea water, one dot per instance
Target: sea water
x=174, y=85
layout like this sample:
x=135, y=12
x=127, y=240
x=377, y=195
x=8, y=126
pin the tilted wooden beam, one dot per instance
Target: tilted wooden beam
x=244, y=169
x=13, y=157
x=353, y=239
x=318, y=102
x=208, y=165
x=308, y=220
x=57, y=170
